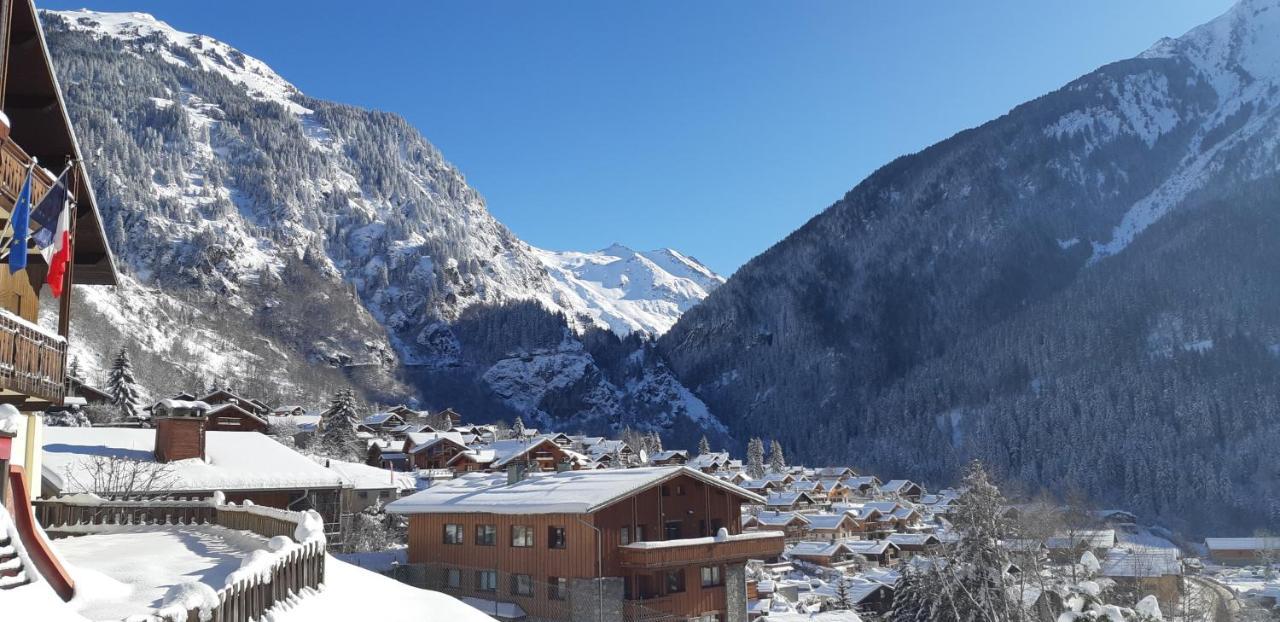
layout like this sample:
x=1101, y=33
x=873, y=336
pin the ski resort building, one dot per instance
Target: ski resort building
x=616, y=543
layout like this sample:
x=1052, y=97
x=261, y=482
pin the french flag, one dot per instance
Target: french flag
x=53, y=213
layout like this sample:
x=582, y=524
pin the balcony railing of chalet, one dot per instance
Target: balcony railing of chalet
x=244, y=599
x=32, y=359
x=692, y=551
x=13, y=170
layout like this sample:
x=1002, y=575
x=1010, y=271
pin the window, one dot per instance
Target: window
x=557, y=588
x=453, y=578
x=675, y=581
x=555, y=538
x=486, y=535
x=522, y=585
x=383, y=494
x=679, y=490
x=666, y=491
x=639, y=535
x=624, y=535
x=487, y=580
x=711, y=576
x=453, y=534
x=671, y=530
x=521, y=536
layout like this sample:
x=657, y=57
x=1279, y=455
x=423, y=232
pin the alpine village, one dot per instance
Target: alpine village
x=312, y=486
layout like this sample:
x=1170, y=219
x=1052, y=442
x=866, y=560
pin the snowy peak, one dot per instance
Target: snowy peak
x=626, y=290
x=188, y=50
x=1238, y=48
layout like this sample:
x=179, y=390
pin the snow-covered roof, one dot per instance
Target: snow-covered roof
x=862, y=480
x=912, y=539
x=897, y=485
x=827, y=522
x=818, y=549
x=364, y=477
x=713, y=459
x=1091, y=538
x=568, y=492
x=787, y=498
x=869, y=547
x=1242, y=544
x=419, y=441
x=780, y=519
x=234, y=460
x=381, y=418
x=1137, y=564
x=668, y=454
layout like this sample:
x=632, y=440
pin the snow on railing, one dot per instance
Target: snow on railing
x=291, y=565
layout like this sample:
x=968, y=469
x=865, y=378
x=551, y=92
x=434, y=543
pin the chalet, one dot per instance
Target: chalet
x=1242, y=551
x=903, y=489
x=910, y=544
x=1115, y=518
x=837, y=473
x=90, y=394
x=814, y=489
x=832, y=527
x=562, y=439
x=863, y=485
x=1068, y=546
x=676, y=457
x=611, y=450
x=789, y=501
x=288, y=411
x=663, y=538
x=868, y=596
x=784, y=480
x=380, y=422
x=387, y=454
x=710, y=463
x=35, y=132
x=189, y=461
x=455, y=419
x=793, y=524
x=434, y=450
x=1146, y=571
x=233, y=418
x=836, y=490
x=758, y=486
x=835, y=555
x=881, y=552
x=225, y=396
x=540, y=454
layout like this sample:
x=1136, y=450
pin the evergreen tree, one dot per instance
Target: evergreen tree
x=755, y=458
x=73, y=369
x=655, y=442
x=517, y=429
x=126, y=395
x=338, y=433
x=843, y=599
x=704, y=446
x=777, y=463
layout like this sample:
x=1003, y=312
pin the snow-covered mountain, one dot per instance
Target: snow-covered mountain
x=625, y=290
x=1081, y=292
x=261, y=229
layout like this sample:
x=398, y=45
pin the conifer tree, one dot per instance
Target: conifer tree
x=338, y=434
x=126, y=395
x=704, y=446
x=655, y=442
x=755, y=458
x=73, y=369
x=777, y=463
x=517, y=429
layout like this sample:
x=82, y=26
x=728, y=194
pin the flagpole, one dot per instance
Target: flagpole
x=64, y=308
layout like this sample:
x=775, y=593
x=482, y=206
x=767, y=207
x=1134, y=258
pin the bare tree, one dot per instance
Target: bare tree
x=119, y=476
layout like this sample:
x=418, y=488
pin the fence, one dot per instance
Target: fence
x=251, y=591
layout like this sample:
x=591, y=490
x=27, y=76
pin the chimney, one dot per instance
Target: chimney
x=179, y=430
x=515, y=472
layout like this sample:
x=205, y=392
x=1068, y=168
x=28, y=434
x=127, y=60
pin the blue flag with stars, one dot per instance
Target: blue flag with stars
x=20, y=220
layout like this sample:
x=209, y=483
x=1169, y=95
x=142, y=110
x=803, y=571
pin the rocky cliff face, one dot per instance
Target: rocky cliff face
x=288, y=245
x=1080, y=292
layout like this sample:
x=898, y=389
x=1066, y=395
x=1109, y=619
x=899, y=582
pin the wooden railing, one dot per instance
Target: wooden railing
x=32, y=359
x=13, y=171
x=249, y=593
x=693, y=551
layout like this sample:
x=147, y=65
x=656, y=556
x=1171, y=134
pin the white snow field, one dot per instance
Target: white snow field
x=127, y=570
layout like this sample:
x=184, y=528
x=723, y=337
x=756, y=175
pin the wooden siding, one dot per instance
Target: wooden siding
x=179, y=439
x=576, y=560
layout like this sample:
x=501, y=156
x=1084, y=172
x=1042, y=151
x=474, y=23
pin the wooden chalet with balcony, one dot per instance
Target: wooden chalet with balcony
x=655, y=539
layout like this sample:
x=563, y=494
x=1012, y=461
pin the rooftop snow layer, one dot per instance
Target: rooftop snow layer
x=568, y=492
x=234, y=460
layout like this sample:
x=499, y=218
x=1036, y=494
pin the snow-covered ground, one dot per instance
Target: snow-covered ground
x=353, y=594
x=127, y=571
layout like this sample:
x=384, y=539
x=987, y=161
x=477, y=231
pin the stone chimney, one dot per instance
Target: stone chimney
x=179, y=430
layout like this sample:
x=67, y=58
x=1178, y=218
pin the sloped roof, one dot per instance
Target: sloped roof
x=234, y=460
x=568, y=492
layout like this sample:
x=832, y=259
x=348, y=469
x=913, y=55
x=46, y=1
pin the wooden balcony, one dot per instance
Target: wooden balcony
x=32, y=362
x=702, y=551
x=13, y=169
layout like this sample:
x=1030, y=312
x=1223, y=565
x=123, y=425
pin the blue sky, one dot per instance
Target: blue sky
x=714, y=127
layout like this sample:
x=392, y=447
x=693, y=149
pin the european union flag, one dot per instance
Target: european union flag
x=20, y=220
